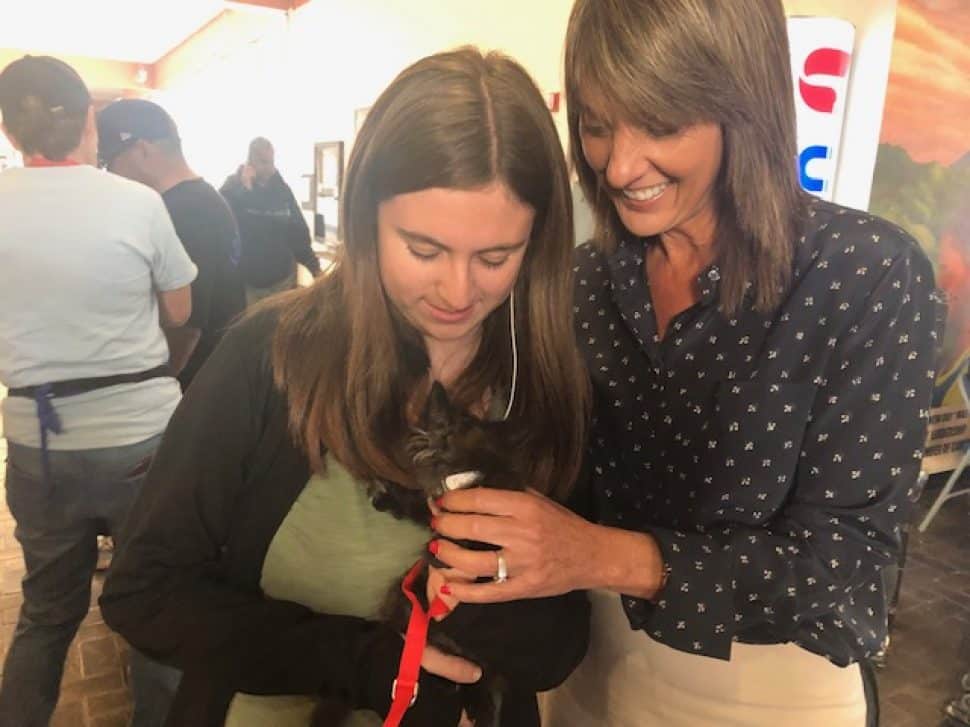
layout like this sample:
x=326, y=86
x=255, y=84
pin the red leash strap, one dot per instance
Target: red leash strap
x=404, y=690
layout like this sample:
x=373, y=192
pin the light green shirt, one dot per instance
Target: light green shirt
x=335, y=554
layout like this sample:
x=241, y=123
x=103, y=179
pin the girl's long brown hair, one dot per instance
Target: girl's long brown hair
x=350, y=366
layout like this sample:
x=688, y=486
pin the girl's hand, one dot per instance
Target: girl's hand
x=452, y=668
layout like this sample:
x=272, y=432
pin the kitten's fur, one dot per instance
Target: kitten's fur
x=448, y=441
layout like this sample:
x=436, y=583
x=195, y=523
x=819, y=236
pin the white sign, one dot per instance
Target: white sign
x=821, y=53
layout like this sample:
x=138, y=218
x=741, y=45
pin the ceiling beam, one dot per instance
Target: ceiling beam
x=273, y=4
x=221, y=37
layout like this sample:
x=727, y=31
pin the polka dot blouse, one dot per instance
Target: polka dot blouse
x=772, y=456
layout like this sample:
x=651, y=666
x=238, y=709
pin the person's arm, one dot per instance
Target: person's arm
x=172, y=269
x=831, y=538
x=181, y=345
x=168, y=592
x=232, y=191
x=298, y=237
x=174, y=307
x=203, y=240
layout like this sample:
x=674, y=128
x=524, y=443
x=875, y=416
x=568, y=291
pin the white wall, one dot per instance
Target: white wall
x=875, y=22
x=353, y=48
x=301, y=84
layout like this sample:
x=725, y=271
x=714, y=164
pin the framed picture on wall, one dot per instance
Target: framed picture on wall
x=328, y=169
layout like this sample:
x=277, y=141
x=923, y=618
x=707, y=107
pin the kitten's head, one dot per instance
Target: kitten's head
x=451, y=441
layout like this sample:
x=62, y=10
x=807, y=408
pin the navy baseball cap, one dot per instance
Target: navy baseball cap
x=56, y=84
x=124, y=122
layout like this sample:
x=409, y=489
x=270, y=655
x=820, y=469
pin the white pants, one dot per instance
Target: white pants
x=629, y=680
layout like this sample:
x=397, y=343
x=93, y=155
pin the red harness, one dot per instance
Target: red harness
x=404, y=690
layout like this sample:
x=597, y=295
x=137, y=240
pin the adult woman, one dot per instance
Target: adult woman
x=257, y=564
x=761, y=365
x=83, y=292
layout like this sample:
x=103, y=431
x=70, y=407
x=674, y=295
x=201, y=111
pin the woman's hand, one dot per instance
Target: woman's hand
x=545, y=546
x=548, y=549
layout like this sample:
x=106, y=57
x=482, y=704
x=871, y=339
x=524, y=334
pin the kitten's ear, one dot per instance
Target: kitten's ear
x=437, y=409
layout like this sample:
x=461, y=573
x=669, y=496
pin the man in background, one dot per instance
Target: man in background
x=274, y=234
x=140, y=141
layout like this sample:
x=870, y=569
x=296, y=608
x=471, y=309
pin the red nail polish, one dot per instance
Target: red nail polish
x=433, y=547
x=445, y=590
x=437, y=503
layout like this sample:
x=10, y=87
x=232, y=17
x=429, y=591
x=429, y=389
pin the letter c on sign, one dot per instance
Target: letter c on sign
x=828, y=62
x=810, y=154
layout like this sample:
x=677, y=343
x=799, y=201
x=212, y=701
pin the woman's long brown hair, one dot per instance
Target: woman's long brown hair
x=350, y=365
x=666, y=64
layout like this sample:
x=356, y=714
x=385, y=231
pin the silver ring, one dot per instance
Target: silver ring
x=502, y=569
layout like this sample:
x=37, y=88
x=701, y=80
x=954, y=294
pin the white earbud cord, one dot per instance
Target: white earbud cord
x=515, y=355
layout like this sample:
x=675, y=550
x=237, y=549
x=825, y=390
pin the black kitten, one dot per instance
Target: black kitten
x=447, y=442
x=451, y=450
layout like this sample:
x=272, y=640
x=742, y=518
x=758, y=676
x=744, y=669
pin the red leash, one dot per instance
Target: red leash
x=404, y=689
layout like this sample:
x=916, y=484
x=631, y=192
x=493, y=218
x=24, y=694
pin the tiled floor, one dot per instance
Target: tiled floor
x=930, y=648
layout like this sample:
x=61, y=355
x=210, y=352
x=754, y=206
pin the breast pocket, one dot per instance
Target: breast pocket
x=754, y=448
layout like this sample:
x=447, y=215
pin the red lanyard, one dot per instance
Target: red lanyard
x=39, y=161
x=404, y=690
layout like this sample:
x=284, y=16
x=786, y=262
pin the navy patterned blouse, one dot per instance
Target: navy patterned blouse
x=772, y=456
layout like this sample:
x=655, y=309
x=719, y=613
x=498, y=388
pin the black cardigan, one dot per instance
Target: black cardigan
x=184, y=585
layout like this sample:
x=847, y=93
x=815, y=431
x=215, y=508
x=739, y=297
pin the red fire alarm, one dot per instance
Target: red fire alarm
x=552, y=101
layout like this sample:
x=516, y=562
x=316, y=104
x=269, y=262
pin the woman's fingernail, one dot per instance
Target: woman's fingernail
x=434, y=523
x=477, y=674
x=433, y=547
x=437, y=503
x=445, y=589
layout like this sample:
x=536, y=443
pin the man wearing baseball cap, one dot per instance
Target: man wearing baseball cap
x=91, y=267
x=139, y=140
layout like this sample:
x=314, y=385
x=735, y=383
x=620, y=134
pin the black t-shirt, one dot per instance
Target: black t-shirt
x=208, y=232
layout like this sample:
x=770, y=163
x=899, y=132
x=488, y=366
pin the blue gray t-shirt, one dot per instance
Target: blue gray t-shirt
x=84, y=254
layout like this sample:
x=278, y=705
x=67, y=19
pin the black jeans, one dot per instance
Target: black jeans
x=59, y=518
